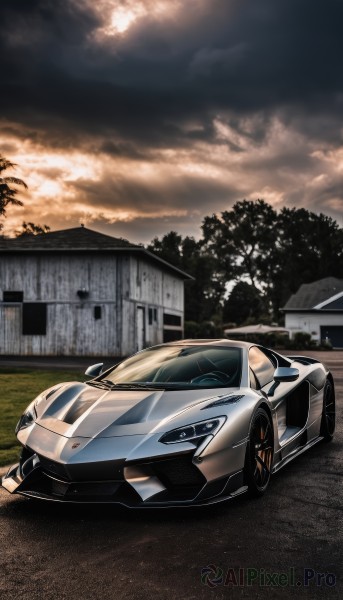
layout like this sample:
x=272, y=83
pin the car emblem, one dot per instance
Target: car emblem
x=75, y=445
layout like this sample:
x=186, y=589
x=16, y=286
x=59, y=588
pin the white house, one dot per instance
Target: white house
x=317, y=308
x=79, y=292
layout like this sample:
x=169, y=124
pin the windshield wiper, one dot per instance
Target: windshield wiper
x=105, y=385
x=110, y=385
x=132, y=386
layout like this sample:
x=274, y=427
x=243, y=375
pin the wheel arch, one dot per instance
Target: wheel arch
x=330, y=378
x=266, y=407
x=273, y=420
x=257, y=488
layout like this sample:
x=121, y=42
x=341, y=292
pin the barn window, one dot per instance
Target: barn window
x=34, y=318
x=171, y=335
x=173, y=320
x=13, y=296
x=97, y=312
x=152, y=315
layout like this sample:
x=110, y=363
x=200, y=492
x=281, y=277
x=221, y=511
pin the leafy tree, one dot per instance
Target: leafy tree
x=169, y=248
x=245, y=303
x=31, y=229
x=8, y=193
x=268, y=254
x=242, y=240
x=277, y=252
x=308, y=247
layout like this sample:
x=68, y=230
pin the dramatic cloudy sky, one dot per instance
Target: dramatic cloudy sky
x=136, y=117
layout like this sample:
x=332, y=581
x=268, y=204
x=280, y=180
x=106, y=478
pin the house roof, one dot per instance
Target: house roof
x=310, y=295
x=80, y=239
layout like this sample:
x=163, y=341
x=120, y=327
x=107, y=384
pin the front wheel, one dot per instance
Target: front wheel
x=327, y=427
x=259, y=454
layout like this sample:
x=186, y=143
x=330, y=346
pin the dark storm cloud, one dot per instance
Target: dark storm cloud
x=143, y=229
x=238, y=57
x=166, y=195
x=222, y=99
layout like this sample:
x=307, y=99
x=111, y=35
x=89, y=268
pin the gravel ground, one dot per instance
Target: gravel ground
x=51, y=551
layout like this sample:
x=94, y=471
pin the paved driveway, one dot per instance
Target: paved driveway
x=51, y=552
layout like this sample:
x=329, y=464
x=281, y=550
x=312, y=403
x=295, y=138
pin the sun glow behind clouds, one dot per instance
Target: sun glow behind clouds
x=119, y=16
x=122, y=18
x=165, y=188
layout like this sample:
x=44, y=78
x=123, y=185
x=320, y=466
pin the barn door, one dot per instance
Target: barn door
x=140, y=341
x=10, y=329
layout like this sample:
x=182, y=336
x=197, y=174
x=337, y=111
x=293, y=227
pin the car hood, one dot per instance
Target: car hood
x=77, y=409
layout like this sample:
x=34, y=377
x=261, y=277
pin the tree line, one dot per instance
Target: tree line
x=261, y=254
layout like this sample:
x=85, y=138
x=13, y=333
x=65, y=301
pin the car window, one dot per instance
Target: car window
x=261, y=366
x=185, y=366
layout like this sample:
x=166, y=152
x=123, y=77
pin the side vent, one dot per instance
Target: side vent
x=224, y=400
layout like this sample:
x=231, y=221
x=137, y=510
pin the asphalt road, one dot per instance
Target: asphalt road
x=52, y=552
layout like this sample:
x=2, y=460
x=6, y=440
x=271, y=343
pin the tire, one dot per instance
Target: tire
x=327, y=426
x=259, y=453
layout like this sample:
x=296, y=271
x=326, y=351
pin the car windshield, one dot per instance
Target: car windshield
x=175, y=367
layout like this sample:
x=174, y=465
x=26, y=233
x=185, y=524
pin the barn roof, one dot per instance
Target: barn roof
x=310, y=295
x=80, y=239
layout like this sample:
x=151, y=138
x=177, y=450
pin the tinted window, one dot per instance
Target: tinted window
x=181, y=366
x=261, y=366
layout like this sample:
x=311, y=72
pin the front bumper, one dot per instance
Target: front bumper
x=163, y=482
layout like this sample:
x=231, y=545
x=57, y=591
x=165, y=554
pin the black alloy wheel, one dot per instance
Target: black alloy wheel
x=259, y=455
x=327, y=427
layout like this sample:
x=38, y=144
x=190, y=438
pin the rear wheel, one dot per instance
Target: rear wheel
x=327, y=427
x=259, y=454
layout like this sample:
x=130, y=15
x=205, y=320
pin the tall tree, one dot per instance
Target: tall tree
x=8, y=193
x=245, y=303
x=242, y=240
x=169, y=247
x=275, y=252
x=203, y=295
x=308, y=247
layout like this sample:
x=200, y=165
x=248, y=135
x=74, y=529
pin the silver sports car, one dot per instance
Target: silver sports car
x=185, y=423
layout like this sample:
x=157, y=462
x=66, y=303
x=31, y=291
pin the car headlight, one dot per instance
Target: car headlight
x=27, y=418
x=193, y=432
x=30, y=414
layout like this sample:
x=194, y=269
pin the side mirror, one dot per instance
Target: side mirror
x=286, y=374
x=283, y=374
x=94, y=370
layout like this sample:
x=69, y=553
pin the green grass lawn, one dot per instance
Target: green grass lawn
x=18, y=387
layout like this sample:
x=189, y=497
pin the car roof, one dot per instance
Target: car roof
x=212, y=342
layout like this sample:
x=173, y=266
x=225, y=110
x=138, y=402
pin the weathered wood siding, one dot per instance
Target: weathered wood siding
x=53, y=278
x=71, y=326
x=118, y=283
x=146, y=285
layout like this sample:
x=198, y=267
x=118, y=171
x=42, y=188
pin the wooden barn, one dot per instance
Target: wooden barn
x=79, y=292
